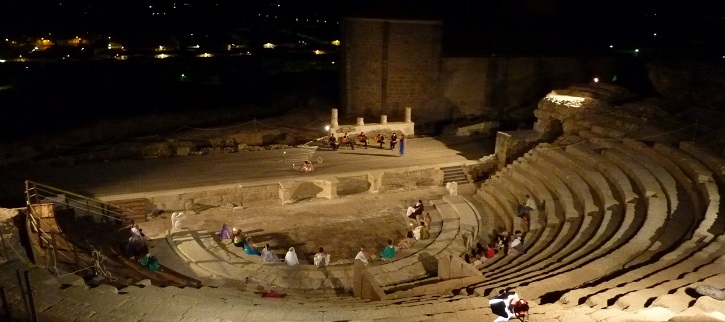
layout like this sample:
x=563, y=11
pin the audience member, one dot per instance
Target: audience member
x=363, y=256
x=238, y=238
x=427, y=220
x=225, y=233
x=517, y=242
x=150, y=262
x=137, y=232
x=480, y=259
x=321, y=259
x=421, y=232
x=132, y=248
x=407, y=242
x=526, y=208
x=490, y=250
x=389, y=251
x=393, y=140
x=291, y=257
x=268, y=255
x=414, y=211
x=249, y=247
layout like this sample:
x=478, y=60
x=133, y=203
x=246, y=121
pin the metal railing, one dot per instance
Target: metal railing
x=51, y=246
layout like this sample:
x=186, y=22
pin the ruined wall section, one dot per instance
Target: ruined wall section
x=362, y=56
x=511, y=86
x=390, y=65
x=413, y=68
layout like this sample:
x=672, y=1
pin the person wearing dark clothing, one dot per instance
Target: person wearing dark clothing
x=333, y=142
x=393, y=141
x=381, y=140
x=363, y=139
x=347, y=141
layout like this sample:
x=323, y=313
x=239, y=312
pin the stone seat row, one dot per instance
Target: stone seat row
x=686, y=250
x=697, y=251
x=459, y=226
x=643, y=181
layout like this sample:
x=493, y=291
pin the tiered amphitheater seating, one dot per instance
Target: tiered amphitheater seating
x=622, y=231
x=634, y=200
x=640, y=286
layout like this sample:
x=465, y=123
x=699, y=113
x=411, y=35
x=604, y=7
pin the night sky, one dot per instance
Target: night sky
x=479, y=27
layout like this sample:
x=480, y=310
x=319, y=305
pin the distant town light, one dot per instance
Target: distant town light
x=183, y=75
x=2, y=61
x=336, y=42
x=596, y=79
x=636, y=50
x=611, y=46
x=269, y=45
x=655, y=34
x=205, y=55
x=318, y=52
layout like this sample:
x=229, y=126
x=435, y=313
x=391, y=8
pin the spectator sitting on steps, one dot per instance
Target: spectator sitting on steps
x=389, y=251
x=526, y=208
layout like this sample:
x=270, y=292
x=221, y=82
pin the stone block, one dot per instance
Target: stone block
x=165, y=198
x=209, y=201
x=193, y=195
x=221, y=192
x=444, y=267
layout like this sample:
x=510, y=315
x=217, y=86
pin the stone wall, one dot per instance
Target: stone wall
x=410, y=179
x=293, y=190
x=391, y=64
x=494, y=86
x=388, y=65
x=215, y=197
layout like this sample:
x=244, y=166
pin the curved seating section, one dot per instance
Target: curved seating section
x=635, y=249
x=715, y=222
x=680, y=221
x=620, y=225
x=688, y=262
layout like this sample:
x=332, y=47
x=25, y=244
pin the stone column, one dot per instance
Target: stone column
x=408, y=112
x=360, y=121
x=383, y=119
x=333, y=119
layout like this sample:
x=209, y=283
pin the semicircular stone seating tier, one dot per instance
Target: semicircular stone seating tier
x=550, y=220
x=691, y=261
x=458, y=231
x=574, y=181
x=558, y=247
x=672, y=232
x=632, y=240
x=209, y=256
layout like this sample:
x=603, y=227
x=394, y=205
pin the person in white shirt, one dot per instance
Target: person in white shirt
x=516, y=243
x=508, y=305
x=291, y=257
x=363, y=256
x=321, y=259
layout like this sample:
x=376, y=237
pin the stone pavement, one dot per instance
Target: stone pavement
x=136, y=176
